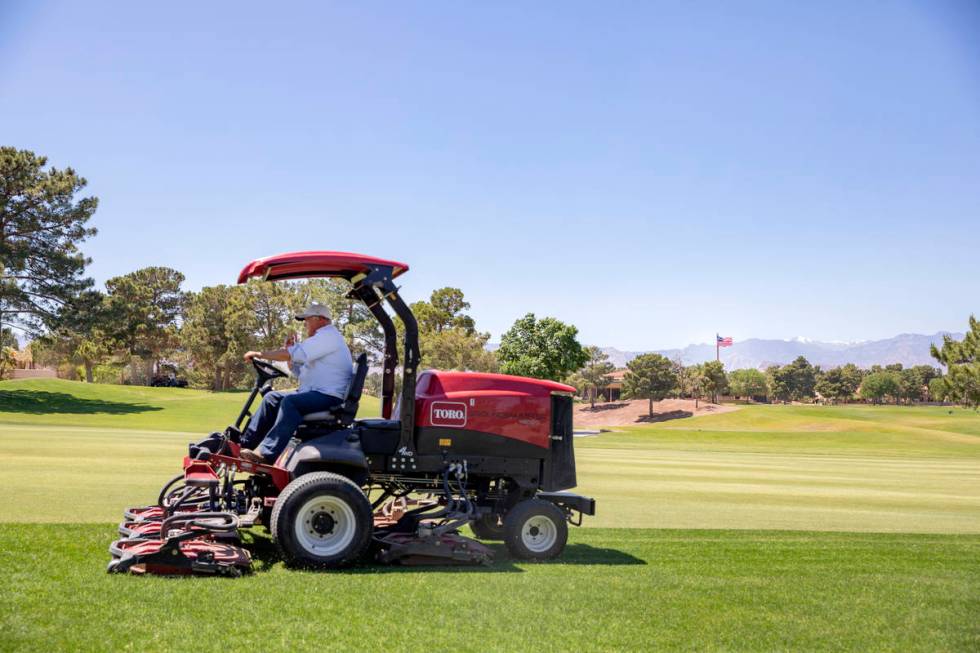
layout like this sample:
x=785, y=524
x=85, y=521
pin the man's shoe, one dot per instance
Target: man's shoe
x=233, y=434
x=251, y=456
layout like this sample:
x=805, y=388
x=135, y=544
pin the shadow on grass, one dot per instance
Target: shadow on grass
x=585, y=554
x=607, y=406
x=265, y=556
x=40, y=402
x=663, y=417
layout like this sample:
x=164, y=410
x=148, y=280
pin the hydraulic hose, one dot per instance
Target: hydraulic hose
x=220, y=522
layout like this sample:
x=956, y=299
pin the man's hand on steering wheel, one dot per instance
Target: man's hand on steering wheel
x=263, y=361
x=266, y=368
x=272, y=355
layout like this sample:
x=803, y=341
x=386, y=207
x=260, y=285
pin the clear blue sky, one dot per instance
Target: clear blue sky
x=651, y=172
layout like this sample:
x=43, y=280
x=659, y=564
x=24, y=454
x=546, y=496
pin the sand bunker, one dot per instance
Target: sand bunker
x=624, y=413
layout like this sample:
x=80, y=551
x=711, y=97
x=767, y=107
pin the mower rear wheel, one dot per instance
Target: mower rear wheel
x=322, y=520
x=489, y=527
x=535, y=530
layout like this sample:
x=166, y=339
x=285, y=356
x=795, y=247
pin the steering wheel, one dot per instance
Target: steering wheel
x=267, y=370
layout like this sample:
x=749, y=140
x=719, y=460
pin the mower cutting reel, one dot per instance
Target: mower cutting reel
x=489, y=451
x=183, y=544
x=449, y=548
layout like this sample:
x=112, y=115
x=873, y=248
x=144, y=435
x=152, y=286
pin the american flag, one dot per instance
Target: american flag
x=724, y=342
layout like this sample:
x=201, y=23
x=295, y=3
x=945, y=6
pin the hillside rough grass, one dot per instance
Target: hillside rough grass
x=769, y=528
x=72, y=403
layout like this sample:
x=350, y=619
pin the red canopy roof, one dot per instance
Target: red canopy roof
x=299, y=265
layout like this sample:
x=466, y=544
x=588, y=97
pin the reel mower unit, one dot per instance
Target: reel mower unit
x=490, y=451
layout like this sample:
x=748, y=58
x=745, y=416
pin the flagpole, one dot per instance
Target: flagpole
x=717, y=349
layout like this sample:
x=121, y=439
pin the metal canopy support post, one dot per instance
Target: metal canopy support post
x=367, y=294
x=410, y=367
x=378, y=283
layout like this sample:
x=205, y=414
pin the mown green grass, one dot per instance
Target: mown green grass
x=890, y=431
x=857, y=468
x=612, y=590
x=778, y=487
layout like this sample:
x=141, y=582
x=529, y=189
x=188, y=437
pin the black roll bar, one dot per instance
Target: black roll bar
x=371, y=289
x=369, y=296
x=409, y=368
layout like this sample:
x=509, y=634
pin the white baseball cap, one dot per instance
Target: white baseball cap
x=316, y=308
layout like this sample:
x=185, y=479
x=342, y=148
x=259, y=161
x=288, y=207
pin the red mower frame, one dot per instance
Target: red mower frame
x=491, y=451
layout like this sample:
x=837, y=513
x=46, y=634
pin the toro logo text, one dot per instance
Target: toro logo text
x=448, y=413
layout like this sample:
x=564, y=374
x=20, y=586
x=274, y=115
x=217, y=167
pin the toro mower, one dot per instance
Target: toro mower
x=491, y=451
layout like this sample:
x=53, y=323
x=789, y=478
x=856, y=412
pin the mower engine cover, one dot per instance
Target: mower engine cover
x=476, y=414
x=512, y=407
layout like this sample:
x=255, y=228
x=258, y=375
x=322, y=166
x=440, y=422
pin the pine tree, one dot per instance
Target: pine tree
x=596, y=372
x=650, y=377
x=962, y=361
x=41, y=227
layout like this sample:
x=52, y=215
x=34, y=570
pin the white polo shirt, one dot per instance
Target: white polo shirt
x=322, y=362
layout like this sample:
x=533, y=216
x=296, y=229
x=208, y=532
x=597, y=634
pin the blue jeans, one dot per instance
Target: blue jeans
x=277, y=418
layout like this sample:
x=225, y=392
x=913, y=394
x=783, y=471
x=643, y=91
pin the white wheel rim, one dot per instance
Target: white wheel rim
x=334, y=511
x=539, y=534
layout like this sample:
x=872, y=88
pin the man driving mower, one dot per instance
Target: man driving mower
x=324, y=367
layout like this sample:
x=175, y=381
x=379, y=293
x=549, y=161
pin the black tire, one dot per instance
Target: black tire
x=322, y=520
x=489, y=527
x=535, y=530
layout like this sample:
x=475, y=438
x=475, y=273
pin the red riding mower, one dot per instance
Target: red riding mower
x=488, y=450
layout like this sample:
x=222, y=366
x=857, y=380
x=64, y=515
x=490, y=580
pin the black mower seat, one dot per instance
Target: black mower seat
x=344, y=414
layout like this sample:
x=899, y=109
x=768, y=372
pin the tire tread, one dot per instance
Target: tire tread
x=515, y=520
x=282, y=505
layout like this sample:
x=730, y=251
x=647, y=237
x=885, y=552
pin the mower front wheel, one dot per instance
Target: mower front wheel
x=322, y=520
x=535, y=530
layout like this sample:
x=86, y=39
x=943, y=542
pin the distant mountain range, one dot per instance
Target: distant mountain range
x=907, y=349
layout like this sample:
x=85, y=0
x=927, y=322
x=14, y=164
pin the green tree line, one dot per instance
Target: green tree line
x=144, y=321
x=654, y=377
